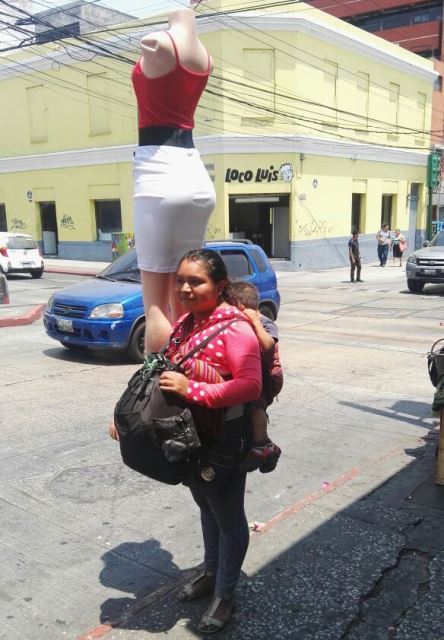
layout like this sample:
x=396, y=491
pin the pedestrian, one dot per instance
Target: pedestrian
x=355, y=258
x=399, y=245
x=217, y=484
x=173, y=193
x=383, y=238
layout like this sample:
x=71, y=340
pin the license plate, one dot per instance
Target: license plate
x=430, y=272
x=65, y=325
x=26, y=265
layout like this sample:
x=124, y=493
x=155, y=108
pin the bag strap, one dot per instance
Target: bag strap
x=206, y=341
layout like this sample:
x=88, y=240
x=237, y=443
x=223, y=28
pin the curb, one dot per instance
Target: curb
x=26, y=318
x=70, y=271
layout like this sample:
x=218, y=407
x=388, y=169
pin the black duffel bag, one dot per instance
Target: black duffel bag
x=157, y=434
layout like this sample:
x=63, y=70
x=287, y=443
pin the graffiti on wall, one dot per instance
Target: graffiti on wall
x=18, y=225
x=67, y=222
x=315, y=227
x=213, y=232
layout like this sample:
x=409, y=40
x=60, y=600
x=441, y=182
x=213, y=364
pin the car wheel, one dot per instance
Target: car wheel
x=267, y=311
x=74, y=347
x=136, y=347
x=415, y=286
x=36, y=273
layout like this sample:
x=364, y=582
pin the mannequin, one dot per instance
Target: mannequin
x=174, y=196
x=158, y=57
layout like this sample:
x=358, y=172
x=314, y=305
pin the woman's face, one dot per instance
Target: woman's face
x=195, y=289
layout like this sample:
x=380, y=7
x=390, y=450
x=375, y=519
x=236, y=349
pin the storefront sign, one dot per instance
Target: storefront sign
x=285, y=173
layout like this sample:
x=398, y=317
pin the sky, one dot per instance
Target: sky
x=138, y=8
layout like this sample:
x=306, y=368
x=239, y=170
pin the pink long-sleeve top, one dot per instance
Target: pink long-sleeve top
x=234, y=353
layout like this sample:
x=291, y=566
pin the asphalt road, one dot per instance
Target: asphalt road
x=82, y=538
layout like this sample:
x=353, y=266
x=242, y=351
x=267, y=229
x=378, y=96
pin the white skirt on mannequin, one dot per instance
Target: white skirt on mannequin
x=173, y=200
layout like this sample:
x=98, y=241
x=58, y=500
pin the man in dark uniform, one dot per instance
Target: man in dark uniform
x=355, y=258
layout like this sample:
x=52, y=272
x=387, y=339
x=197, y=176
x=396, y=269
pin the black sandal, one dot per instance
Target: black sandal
x=191, y=590
x=209, y=624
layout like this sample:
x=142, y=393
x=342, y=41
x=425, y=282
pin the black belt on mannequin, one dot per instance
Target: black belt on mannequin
x=168, y=136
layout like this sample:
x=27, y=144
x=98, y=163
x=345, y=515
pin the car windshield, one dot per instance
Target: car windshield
x=124, y=268
x=438, y=240
x=21, y=242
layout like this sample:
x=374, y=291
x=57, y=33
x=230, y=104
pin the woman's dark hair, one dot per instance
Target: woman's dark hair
x=211, y=262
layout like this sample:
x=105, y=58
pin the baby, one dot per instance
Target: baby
x=263, y=453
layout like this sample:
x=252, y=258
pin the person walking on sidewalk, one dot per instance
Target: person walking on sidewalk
x=355, y=258
x=399, y=245
x=383, y=238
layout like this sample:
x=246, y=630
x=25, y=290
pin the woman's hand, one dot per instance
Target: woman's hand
x=174, y=382
x=112, y=430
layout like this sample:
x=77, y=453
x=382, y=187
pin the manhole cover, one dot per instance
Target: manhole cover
x=100, y=482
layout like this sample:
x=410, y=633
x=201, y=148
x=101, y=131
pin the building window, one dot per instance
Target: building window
x=393, y=110
x=331, y=91
x=3, y=220
x=108, y=218
x=421, y=103
x=363, y=98
x=99, y=101
x=402, y=17
x=259, y=73
x=386, y=210
x=35, y=97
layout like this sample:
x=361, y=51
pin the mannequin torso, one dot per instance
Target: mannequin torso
x=158, y=55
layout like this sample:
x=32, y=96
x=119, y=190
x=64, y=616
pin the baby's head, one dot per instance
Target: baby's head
x=243, y=295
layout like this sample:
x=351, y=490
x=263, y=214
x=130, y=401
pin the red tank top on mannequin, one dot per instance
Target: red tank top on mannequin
x=169, y=100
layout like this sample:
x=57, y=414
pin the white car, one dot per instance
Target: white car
x=19, y=253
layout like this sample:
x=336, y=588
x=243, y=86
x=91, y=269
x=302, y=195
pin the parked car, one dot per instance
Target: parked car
x=19, y=253
x=107, y=311
x=426, y=265
x=4, y=292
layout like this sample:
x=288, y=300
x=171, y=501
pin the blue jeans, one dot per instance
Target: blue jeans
x=224, y=524
x=383, y=250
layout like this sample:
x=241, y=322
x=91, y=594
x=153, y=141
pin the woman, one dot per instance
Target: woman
x=399, y=245
x=217, y=485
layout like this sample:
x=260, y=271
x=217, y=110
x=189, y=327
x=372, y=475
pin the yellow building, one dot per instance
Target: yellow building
x=309, y=127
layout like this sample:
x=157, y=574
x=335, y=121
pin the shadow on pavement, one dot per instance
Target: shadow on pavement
x=84, y=355
x=406, y=411
x=335, y=569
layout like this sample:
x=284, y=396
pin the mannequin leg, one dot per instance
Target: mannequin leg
x=176, y=307
x=161, y=307
x=155, y=288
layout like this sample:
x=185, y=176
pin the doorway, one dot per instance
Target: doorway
x=48, y=219
x=263, y=219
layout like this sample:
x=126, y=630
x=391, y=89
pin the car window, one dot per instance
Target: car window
x=438, y=241
x=123, y=265
x=261, y=264
x=20, y=242
x=237, y=263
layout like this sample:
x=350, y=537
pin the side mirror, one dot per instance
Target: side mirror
x=425, y=244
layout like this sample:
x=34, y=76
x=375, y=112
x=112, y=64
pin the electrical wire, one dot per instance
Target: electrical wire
x=103, y=50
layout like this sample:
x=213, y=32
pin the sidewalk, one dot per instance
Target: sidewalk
x=353, y=561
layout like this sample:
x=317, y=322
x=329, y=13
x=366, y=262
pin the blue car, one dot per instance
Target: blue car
x=106, y=312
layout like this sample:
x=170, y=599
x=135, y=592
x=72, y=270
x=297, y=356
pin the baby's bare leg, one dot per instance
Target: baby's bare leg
x=259, y=423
